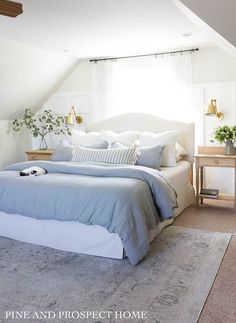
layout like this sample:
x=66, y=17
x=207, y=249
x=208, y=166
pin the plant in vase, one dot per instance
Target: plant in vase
x=227, y=135
x=41, y=125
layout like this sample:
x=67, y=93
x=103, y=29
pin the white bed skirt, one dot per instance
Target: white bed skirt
x=77, y=237
x=62, y=235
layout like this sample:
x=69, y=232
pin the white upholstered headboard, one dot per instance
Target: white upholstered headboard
x=142, y=122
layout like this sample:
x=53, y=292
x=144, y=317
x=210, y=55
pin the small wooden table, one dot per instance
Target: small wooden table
x=213, y=157
x=39, y=154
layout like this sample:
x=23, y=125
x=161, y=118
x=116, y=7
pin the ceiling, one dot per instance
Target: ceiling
x=97, y=28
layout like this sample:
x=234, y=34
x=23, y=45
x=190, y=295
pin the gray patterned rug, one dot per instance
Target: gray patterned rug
x=39, y=284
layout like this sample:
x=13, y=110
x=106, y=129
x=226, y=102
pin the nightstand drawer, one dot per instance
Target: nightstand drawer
x=38, y=157
x=33, y=157
x=39, y=154
x=218, y=162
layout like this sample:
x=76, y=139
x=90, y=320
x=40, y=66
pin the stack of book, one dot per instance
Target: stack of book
x=209, y=193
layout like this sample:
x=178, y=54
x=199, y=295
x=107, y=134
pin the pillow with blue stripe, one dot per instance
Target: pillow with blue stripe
x=147, y=156
x=124, y=156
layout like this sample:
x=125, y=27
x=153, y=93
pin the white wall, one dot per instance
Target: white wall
x=75, y=91
x=12, y=145
x=213, y=65
x=28, y=76
x=214, y=76
x=80, y=80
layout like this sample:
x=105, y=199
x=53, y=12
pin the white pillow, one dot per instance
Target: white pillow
x=126, y=138
x=81, y=138
x=63, y=151
x=125, y=156
x=179, y=151
x=167, y=139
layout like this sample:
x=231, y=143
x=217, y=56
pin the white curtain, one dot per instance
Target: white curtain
x=159, y=86
x=102, y=89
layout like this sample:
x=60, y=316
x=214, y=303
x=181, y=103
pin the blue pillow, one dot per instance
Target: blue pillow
x=150, y=156
x=64, y=151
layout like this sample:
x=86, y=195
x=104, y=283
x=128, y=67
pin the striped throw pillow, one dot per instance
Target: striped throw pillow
x=126, y=156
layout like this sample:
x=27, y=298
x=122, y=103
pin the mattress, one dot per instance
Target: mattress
x=178, y=175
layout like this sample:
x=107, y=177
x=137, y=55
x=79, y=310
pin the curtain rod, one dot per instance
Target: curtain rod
x=192, y=50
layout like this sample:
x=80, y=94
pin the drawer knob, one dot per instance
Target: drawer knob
x=35, y=157
x=216, y=161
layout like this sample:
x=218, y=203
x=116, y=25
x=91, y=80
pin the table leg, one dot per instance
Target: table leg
x=201, y=181
x=235, y=186
x=197, y=182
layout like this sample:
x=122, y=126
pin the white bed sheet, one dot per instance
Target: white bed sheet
x=179, y=179
x=90, y=239
x=178, y=175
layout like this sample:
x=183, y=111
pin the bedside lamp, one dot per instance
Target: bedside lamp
x=212, y=110
x=72, y=117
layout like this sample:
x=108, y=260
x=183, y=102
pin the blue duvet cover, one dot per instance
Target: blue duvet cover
x=128, y=200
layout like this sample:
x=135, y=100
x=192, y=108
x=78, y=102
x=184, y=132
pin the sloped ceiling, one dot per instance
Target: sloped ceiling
x=28, y=75
x=214, y=17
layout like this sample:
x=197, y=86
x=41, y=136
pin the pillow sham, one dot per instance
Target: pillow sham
x=150, y=156
x=179, y=151
x=117, y=145
x=127, y=138
x=167, y=139
x=126, y=156
x=63, y=151
x=147, y=156
x=99, y=145
x=82, y=138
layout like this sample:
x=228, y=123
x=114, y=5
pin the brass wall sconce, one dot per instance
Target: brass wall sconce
x=212, y=110
x=73, y=118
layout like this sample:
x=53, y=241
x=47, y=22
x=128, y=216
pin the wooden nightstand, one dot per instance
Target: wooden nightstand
x=213, y=157
x=39, y=154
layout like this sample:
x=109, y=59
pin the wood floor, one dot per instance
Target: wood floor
x=220, y=306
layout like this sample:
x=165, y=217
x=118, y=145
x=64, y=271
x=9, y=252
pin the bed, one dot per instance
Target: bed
x=96, y=239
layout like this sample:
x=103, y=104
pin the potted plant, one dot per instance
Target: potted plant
x=41, y=125
x=227, y=135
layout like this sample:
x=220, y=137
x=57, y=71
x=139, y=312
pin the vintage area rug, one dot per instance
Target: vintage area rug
x=39, y=284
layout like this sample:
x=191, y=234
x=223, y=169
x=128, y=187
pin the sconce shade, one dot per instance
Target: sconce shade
x=72, y=118
x=69, y=120
x=212, y=111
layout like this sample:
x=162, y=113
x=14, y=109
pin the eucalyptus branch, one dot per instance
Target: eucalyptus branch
x=41, y=124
